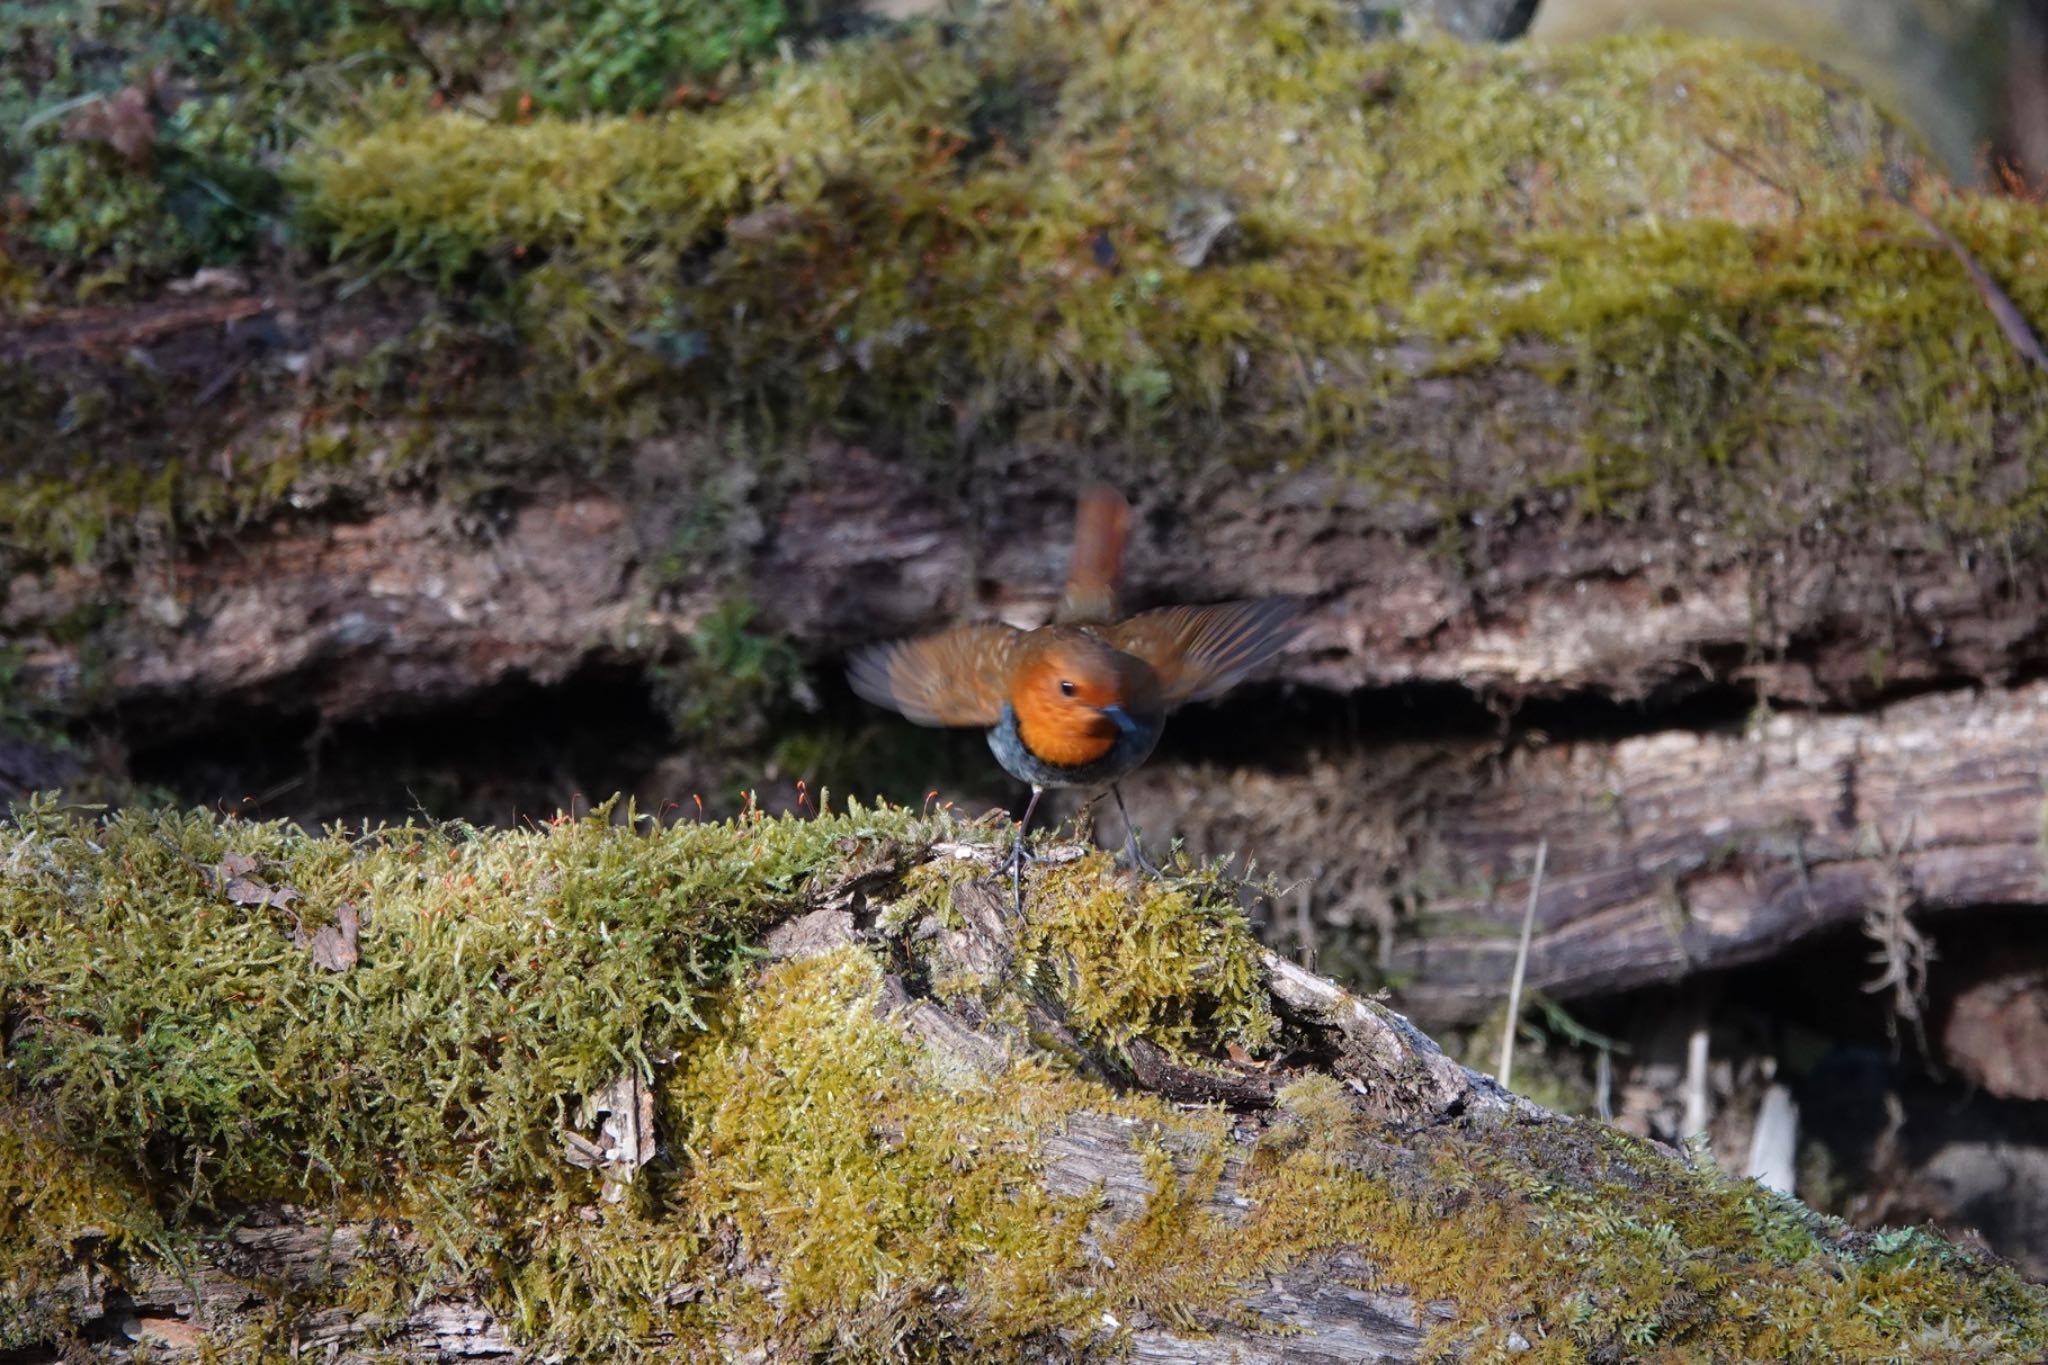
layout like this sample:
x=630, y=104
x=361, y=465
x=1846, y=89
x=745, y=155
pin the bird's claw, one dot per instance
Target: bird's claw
x=1013, y=862
x=1131, y=850
x=1014, y=865
x=1135, y=856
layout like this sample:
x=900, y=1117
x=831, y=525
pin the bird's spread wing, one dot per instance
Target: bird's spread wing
x=1201, y=651
x=956, y=677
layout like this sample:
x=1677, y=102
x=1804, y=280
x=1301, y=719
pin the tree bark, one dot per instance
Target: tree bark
x=409, y=602
x=1670, y=854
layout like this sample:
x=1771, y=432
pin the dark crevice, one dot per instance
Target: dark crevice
x=1900, y=1130
x=520, y=749
x=1892, y=694
x=517, y=749
x=1278, y=727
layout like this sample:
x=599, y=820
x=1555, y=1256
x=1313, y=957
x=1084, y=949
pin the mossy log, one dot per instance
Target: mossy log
x=1598, y=372
x=1598, y=367
x=772, y=1089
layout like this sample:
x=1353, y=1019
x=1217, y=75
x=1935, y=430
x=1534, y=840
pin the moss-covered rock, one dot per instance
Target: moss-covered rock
x=184, y=1044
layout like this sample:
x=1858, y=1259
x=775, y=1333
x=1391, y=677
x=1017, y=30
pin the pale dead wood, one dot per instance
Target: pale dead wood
x=1670, y=854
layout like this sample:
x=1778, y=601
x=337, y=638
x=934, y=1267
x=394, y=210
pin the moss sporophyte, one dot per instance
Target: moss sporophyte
x=177, y=1058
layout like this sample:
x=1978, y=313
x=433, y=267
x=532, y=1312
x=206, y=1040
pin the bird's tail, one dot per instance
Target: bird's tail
x=1102, y=521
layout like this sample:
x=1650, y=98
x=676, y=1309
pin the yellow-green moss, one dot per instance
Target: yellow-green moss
x=876, y=1188
x=60, y=1207
x=996, y=220
x=437, y=189
x=1585, y=1244
x=249, y=81
x=170, y=1053
x=171, y=1031
x=1131, y=957
x=1282, y=106
x=1005, y=229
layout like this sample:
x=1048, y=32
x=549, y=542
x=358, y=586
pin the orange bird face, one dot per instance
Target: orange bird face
x=1074, y=695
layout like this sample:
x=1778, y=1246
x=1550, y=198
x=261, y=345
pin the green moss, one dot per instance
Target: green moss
x=185, y=1038
x=1585, y=1244
x=162, y=1036
x=170, y=1054
x=729, y=678
x=436, y=190
x=59, y=1210
x=1173, y=963
x=999, y=220
x=235, y=86
x=829, y=1155
x=1636, y=1261
x=1379, y=192
x=638, y=54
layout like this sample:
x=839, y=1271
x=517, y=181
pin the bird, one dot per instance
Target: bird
x=1082, y=701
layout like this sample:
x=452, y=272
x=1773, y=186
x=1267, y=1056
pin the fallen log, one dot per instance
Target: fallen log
x=907, y=1119
x=1670, y=854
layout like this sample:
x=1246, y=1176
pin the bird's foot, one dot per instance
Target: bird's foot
x=1020, y=855
x=1135, y=856
x=1131, y=850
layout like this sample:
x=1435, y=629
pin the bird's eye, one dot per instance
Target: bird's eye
x=1066, y=687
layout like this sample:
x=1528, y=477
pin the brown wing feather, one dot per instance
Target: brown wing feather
x=1201, y=651
x=956, y=677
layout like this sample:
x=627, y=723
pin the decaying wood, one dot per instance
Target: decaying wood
x=408, y=604
x=1996, y=1032
x=1312, y=1312
x=1672, y=853
x=1669, y=854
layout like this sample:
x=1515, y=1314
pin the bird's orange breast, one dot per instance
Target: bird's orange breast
x=1060, y=732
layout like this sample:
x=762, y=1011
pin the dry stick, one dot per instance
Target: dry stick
x=1697, y=1056
x=2003, y=310
x=1507, y=1042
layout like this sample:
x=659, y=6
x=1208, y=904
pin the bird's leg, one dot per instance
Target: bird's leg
x=1136, y=854
x=1019, y=854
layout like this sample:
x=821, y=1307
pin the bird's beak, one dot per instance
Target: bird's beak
x=1122, y=718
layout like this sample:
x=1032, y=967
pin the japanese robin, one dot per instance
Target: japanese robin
x=1080, y=702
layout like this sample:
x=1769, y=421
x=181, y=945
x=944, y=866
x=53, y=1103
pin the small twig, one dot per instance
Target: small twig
x=1743, y=164
x=2010, y=320
x=1507, y=1042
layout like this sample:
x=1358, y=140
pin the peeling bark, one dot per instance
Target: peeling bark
x=411, y=602
x=1670, y=854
